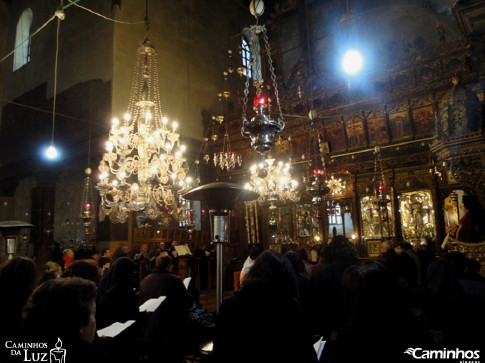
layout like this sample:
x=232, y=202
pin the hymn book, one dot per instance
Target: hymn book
x=114, y=329
x=318, y=346
x=152, y=304
x=182, y=250
x=187, y=282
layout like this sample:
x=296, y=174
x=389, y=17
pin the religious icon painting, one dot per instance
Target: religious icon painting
x=377, y=129
x=424, y=121
x=336, y=138
x=356, y=134
x=400, y=125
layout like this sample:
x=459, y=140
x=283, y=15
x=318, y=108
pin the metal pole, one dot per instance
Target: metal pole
x=220, y=233
x=219, y=287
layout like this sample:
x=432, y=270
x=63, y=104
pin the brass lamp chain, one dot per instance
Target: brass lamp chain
x=273, y=77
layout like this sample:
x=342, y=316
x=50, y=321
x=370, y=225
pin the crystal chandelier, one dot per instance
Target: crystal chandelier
x=273, y=182
x=261, y=129
x=143, y=169
x=227, y=159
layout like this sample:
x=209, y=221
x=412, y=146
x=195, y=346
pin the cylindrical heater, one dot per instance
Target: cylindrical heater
x=220, y=198
x=10, y=230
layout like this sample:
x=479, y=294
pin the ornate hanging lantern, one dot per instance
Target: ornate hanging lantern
x=261, y=129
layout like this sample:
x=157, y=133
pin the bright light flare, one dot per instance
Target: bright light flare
x=51, y=152
x=352, y=61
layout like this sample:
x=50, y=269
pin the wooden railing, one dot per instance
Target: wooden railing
x=181, y=236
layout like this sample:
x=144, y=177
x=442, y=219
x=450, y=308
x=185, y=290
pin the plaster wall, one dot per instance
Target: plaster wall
x=192, y=39
x=84, y=47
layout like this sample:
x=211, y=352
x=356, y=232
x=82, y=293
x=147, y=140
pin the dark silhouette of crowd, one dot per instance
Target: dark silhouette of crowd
x=365, y=309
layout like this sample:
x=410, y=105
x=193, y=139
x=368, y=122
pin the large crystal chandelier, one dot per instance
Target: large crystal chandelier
x=273, y=182
x=143, y=169
x=261, y=129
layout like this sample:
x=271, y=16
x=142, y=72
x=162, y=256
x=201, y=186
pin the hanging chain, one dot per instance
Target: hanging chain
x=245, y=98
x=273, y=77
x=322, y=158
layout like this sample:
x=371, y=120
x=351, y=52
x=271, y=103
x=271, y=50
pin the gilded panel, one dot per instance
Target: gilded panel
x=400, y=125
x=336, y=138
x=356, y=134
x=424, y=121
x=377, y=129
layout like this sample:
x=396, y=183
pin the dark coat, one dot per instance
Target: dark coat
x=262, y=324
x=118, y=302
x=167, y=325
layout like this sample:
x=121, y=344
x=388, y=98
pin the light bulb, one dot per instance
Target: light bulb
x=352, y=62
x=51, y=152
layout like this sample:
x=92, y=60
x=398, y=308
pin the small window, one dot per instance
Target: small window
x=22, y=40
x=246, y=57
x=334, y=214
x=187, y=213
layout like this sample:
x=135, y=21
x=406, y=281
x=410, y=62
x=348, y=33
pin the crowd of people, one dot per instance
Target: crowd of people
x=365, y=309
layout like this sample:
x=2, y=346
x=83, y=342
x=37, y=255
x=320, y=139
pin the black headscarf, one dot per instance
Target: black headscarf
x=118, y=277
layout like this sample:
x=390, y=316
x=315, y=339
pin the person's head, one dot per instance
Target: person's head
x=68, y=253
x=457, y=261
x=471, y=204
x=125, y=248
x=52, y=268
x=19, y=272
x=341, y=248
x=370, y=289
x=255, y=251
x=106, y=252
x=275, y=270
x=417, y=247
x=119, y=275
x=96, y=255
x=161, y=245
x=86, y=269
x=301, y=252
x=473, y=266
x=296, y=262
x=406, y=246
x=385, y=246
x=164, y=262
x=63, y=308
x=144, y=247
x=324, y=254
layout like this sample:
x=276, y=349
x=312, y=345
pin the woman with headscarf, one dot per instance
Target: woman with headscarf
x=263, y=321
x=340, y=255
x=118, y=302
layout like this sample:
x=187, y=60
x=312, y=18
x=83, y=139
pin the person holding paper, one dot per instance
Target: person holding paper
x=165, y=327
x=263, y=321
x=118, y=302
x=61, y=312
